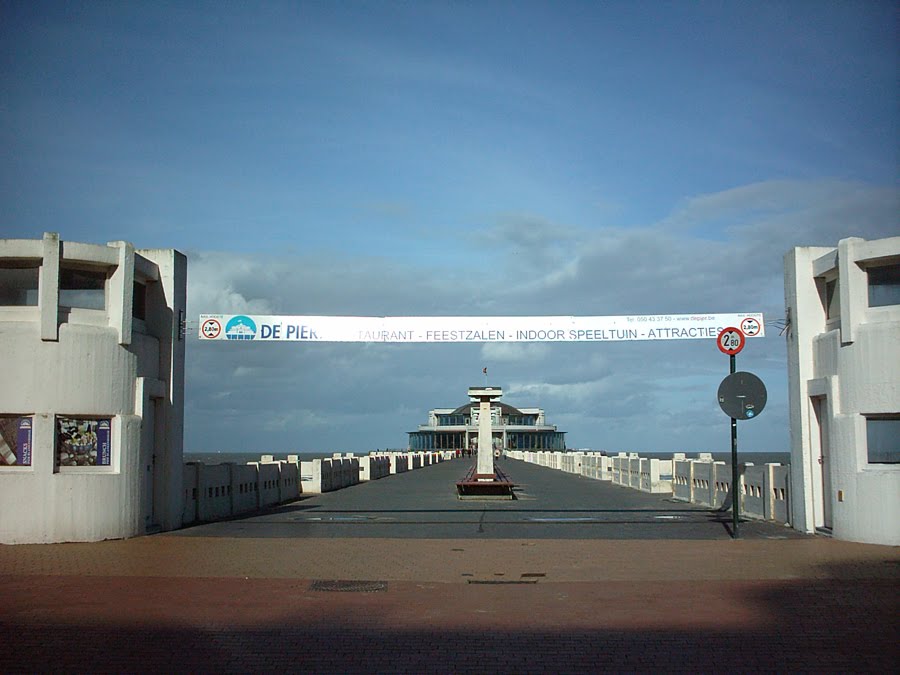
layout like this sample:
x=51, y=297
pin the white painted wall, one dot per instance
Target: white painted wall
x=95, y=363
x=848, y=366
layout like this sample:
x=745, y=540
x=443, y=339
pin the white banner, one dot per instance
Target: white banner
x=260, y=328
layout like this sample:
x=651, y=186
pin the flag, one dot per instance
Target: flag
x=484, y=370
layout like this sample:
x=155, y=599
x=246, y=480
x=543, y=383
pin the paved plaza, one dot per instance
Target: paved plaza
x=398, y=576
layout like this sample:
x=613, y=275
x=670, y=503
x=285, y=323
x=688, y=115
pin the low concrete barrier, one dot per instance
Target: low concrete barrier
x=682, y=483
x=218, y=491
x=596, y=466
x=763, y=490
x=373, y=468
x=214, y=490
x=721, y=488
x=399, y=463
x=245, y=497
x=314, y=477
x=190, y=495
x=267, y=479
x=656, y=475
x=703, y=483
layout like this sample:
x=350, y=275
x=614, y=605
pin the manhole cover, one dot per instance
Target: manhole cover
x=348, y=586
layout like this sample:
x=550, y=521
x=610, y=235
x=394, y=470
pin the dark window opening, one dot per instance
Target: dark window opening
x=139, y=301
x=19, y=285
x=832, y=300
x=82, y=288
x=884, y=285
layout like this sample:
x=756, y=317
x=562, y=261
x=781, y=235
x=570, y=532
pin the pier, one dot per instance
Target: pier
x=398, y=575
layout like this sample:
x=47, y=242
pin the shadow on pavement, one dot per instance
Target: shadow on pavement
x=843, y=623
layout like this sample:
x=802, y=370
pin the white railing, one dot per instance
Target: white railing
x=218, y=491
x=763, y=489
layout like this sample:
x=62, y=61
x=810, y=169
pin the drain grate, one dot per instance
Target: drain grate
x=502, y=582
x=339, y=586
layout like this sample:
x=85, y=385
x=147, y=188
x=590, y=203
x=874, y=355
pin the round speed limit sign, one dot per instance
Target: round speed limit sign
x=730, y=341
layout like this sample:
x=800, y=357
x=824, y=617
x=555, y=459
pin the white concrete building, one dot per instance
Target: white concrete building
x=843, y=309
x=92, y=388
x=511, y=429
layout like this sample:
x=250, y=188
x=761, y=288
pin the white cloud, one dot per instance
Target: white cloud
x=571, y=392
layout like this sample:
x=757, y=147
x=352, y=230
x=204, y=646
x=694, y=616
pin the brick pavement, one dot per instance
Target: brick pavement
x=218, y=599
x=183, y=604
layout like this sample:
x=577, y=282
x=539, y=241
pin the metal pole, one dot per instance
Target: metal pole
x=735, y=500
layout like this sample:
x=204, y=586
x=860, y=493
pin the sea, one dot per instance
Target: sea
x=244, y=457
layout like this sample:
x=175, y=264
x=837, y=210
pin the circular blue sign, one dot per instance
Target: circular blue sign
x=240, y=327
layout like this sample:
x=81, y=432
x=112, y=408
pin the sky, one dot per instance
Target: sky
x=459, y=159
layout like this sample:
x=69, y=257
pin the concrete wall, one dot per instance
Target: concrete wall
x=764, y=490
x=217, y=491
x=843, y=367
x=94, y=364
x=374, y=468
x=244, y=488
x=345, y=470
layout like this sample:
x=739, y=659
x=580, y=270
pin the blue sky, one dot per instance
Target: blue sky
x=458, y=158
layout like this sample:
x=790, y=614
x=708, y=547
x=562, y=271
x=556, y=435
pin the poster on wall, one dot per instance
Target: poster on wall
x=15, y=441
x=82, y=442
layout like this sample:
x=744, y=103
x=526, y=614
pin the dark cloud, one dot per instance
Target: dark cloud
x=715, y=253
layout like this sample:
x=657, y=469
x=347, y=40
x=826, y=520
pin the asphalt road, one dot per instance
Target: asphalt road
x=549, y=504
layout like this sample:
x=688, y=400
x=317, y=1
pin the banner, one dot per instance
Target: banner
x=262, y=328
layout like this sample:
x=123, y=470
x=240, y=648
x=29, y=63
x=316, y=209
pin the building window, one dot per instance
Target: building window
x=522, y=420
x=450, y=420
x=19, y=284
x=15, y=440
x=139, y=301
x=83, y=441
x=82, y=287
x=883, y=439
x=884, y=285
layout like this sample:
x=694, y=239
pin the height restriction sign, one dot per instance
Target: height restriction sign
x=730, y=341
x=750, y=327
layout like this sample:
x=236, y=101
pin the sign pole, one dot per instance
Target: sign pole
x=742, y=396
x=731, y=341
x=735, y=500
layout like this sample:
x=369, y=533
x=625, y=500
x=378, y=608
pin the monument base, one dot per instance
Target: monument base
x=485, y=486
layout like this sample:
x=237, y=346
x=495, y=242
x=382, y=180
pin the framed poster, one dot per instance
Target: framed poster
x=83, y=441
x=15, y=441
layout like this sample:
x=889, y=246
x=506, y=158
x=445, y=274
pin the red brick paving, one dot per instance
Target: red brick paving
x=815, y=605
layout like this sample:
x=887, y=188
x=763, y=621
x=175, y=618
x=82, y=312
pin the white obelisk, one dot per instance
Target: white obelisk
x=485, y=466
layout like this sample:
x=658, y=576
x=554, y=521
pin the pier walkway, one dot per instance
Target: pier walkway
x=398, y=576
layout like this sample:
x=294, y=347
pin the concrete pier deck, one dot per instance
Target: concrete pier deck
x=398, y=576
